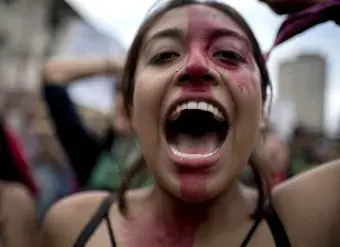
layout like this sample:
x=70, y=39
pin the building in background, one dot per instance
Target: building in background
x=24, y=36
x=301, y=84
x=31, y=31
x=27, y=29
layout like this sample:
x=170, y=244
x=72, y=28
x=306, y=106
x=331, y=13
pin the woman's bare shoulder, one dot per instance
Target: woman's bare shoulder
x=15, y=191
x=134, y=199
x=78, y=201
x=66, y=218
x=17, y=199
x=310, y=186
x=310, y=198
x=68, y=208
x=86, y=204
x=18, y=215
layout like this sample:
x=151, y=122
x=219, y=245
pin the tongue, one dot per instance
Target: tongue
x=190, y=144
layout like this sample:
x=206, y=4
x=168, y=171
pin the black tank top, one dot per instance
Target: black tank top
x=279, y=234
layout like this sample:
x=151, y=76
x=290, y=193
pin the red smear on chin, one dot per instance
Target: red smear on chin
x=193, y=187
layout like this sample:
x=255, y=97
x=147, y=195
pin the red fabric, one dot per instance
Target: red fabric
x=15, y=149
x=306, y=19
x=283, y=7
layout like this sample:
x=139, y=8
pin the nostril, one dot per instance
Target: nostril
x=207, y=77
x=203, y=78
x=184, y=78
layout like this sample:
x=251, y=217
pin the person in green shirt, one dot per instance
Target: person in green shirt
x=98, y=163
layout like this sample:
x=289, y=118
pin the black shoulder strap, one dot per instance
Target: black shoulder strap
x=251, y=232
x=278, y=231
x=94, y=222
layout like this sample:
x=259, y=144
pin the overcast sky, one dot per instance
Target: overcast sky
x=122, y=18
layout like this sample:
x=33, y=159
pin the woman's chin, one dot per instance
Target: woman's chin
x=191, y=188
x=195, y=198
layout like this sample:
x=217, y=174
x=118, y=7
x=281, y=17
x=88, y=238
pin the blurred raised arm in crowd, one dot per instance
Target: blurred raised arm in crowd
x=82, y=146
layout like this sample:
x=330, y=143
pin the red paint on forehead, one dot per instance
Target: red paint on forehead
x=197, y=63
x=194, y=186
x=201, y=21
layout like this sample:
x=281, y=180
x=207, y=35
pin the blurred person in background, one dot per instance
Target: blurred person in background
x=279, y=155
x=52, y=173
x=98, y=164
x=18, y=217
x=14, y=165
x=322, y=150
x=18, y=222
x=300, y=151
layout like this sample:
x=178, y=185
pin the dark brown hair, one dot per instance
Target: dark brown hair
x=128, y=85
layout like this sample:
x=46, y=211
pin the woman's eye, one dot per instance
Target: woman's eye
x=164, y=57
x=228, y=56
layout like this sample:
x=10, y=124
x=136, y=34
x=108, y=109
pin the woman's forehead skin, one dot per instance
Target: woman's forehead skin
x=195, y=19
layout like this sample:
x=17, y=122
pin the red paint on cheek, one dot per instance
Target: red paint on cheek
x=199, y=40
x=244, y=79
x=242, y=85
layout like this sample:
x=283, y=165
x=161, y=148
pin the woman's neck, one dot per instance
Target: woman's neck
x=159, y=219
x=180, y=220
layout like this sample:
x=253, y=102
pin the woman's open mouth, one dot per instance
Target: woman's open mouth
x=195, y=132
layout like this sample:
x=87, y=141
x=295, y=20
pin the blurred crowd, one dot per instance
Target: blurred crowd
x=304, y=149
x=48, y=162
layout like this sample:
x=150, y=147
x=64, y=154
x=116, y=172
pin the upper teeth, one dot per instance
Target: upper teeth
x=197, y=105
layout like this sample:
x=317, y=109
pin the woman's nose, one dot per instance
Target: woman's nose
x=196, y=64
x=196, y=71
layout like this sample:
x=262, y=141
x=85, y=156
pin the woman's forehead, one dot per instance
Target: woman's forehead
x=191, y=17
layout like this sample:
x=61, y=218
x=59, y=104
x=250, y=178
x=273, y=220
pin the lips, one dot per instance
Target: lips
x=195, y=131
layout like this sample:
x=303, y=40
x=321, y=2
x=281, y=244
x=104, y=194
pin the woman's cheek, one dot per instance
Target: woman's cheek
x=244, y=84
x=148, y=92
